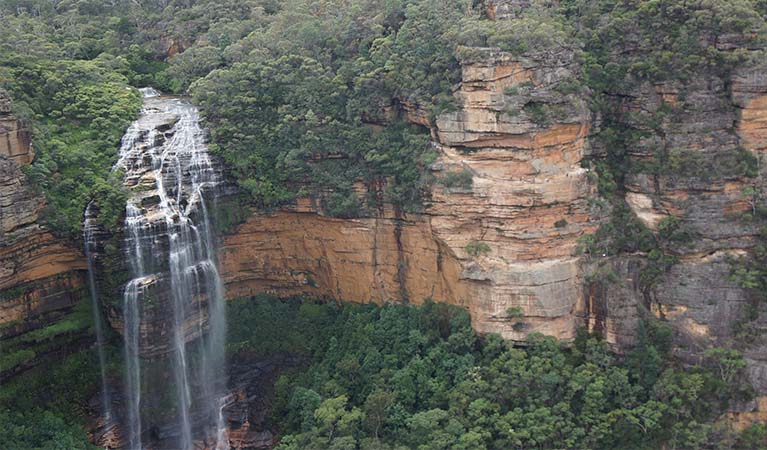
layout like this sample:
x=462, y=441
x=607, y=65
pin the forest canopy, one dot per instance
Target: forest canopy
x=316, y=97
x=406, y=377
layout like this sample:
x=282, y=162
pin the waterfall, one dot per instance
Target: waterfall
x=132, y=364
x=90, y=247
x=173, y=306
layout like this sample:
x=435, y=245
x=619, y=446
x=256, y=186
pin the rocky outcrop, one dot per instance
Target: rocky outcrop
x=522, y=139
x=704, y=185
x=505, y=9
x=15, y=138
x=378, y=259
x=749, y=93
x=41, y=276
x=503, y=241
x=699, y=166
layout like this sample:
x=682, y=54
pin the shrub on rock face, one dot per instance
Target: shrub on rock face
x=458, y=180
x=476, y=248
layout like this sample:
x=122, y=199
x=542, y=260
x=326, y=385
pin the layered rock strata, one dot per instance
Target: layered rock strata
x=41, y=276
x=501, y=246
x=710, y=138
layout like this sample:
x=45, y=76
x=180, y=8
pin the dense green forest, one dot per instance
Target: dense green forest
x=405, y=377
x=420, y=378
x=308, y=96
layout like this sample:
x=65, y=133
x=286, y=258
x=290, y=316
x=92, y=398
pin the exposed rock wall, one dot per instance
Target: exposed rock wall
x=41, y=276
x=528, y=204
x=371, y=259
x=522, y=139
x=713, y=123
x=15, y=139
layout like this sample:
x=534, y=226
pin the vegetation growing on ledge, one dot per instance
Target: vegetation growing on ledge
x=317, y=102
x=670, y=41
x=79, y=112
x=20, y=350
x=476, y=248
x=419, y=377
x=310, y=96
x=462, y=179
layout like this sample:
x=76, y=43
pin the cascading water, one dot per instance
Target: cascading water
x=172, y=307
x=89, y=227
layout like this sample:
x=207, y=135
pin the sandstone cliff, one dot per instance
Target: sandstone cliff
x=525, y=208
x=503, y=246
x=41, y=276
x=523, y=140
x=714, y=122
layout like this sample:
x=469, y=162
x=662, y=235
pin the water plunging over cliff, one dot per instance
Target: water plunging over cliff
x=89, y=228
x=172, y=311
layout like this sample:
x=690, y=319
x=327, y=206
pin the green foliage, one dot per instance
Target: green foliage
x=538, y=114
x=749, y=271
x=458, y=180
x=670, y=41
x=476, y=248
x=46, y=407
x=26, y=347
x=230, y=212
x=59, y=328
x=192, y=65
x=343, y=204
x=537, y=29
x=603, y=276
x=671, y=229
x=623, y=233
x=653, y=344
x=40, y=430
x=283, y=326
x=515, y=312
x=419, y=377
x=288, y=128
x=318, y=103
x=753, y=438
x=10, y=360
x=658, y=263
x=81, y=109
x=737, y=163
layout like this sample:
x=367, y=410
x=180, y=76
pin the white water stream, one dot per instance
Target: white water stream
x=169, y=242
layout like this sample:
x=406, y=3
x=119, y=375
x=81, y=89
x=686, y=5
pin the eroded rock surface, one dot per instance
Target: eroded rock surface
x=521, y=141
x=41, y=275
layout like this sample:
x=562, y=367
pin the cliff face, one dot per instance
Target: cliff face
x=502, y=246
x=371, y=259
x=505, y=246
x=506, y=241
x=41, y=276
x=699, y=187
x=714, y=122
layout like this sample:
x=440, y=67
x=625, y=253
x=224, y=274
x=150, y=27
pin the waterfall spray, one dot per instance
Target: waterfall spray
x=170, y=250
